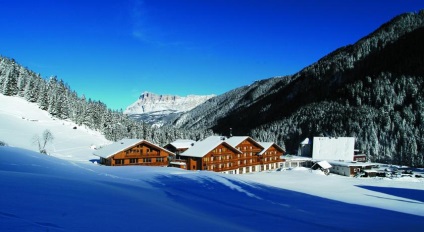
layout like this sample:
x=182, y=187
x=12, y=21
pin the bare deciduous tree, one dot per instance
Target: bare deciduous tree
x=42, y=142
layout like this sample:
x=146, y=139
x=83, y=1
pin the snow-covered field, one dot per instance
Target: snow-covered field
x=21, y=121
x=44, y=193
x=65, y=192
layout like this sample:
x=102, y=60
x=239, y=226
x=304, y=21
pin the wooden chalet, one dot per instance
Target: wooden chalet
x=213, y=154
x=133, y=152
x=234, y=155
x=178, y=147
x=270, y=156
x=249, y=160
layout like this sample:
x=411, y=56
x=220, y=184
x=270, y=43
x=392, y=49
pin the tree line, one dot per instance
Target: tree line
x=56, y=97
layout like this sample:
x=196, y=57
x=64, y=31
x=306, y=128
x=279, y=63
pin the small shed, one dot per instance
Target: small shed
x=323, y=165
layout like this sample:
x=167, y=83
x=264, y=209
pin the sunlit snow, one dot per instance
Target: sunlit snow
x=66, y=192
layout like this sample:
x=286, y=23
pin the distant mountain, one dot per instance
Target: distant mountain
x=61, y=102
x=159, y=109
x=371, y=90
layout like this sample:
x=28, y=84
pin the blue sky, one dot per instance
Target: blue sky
x=113, y=50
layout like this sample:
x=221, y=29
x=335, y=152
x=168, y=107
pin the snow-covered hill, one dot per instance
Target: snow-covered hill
x=43, y=193
x=21, y=121
x=158, y=109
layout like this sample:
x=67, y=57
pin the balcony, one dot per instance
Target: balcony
x=142, y=155
x=151, y=164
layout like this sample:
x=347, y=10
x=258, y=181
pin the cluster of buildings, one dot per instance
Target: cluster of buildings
x=233, y=155
x=242, y=154
x=339, y=152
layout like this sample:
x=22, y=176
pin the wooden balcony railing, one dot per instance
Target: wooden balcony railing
x=138, y=155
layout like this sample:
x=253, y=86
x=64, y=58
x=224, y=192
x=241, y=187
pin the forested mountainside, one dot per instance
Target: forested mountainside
x=207, y=115
x=56, y=97
x=371, y=90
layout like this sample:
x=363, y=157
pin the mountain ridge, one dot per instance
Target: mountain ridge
x=344, y=78
x=159, y=109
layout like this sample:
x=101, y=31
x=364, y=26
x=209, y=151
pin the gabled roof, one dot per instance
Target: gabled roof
x=182, y=143
x=236, y=140
x=203, y=147
x=267, y=145
x=121, y=145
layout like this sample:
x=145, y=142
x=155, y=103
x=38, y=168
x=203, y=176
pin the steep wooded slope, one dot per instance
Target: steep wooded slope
x=370, y=90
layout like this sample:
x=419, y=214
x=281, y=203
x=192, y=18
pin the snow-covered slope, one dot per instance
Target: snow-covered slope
x=21, y=121
x=155, y=109
x=43, y=193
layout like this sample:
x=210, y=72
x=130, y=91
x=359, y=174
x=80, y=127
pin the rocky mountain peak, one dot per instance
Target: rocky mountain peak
x=157, y=109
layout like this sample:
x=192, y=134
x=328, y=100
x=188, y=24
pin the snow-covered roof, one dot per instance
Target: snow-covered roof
x=296, y=158
x=203, y=147
x=178, y=163
x=236, y=140
x=182, y=143
x=267, y=145
x=121, y=145
x=349, y=163
x=306, y=141
x=324, y=164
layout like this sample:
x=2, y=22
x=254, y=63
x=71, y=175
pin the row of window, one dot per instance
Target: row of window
x=230, y=165
x=244, y=148
x=136, y=150
x=219, y=150
x=243, y=170
x=271, y=158
x=136, y=160
x=270, y=153
x=229, y=157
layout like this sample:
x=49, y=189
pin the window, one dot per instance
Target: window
x=147, y=160
x=160, y=159
x=119, y=161
x=133, y=161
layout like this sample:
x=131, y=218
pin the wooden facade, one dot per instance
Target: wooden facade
x=134, y=152
x=270, y=157
x=235, y=155
x=221, y=158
